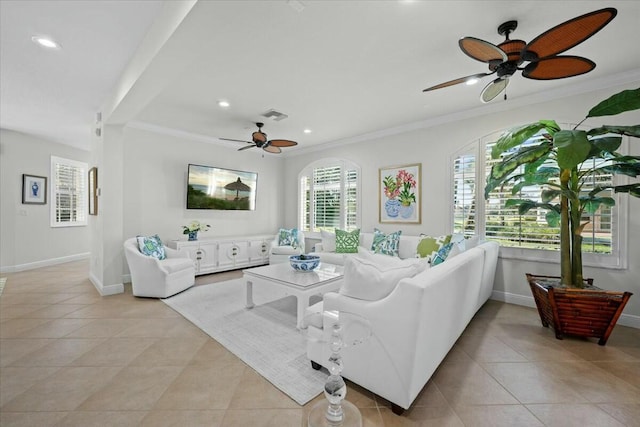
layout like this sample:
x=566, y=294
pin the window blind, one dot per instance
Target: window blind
x=464, y=194
x=69, y=192
x=329, y=196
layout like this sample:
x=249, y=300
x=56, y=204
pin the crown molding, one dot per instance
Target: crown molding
x=486, y=109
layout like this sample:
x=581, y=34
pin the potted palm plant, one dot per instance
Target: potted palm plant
x=544, y=155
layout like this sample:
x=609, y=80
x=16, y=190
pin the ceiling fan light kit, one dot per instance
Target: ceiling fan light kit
x=542, y=53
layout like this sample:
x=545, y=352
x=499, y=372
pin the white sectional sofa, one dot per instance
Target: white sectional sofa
x=412, y=328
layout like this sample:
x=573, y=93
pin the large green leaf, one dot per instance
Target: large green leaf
x=525, y=205
x=573, y=148
x=597, y=190
x=533, y=167
x=633, y=130
x=628, y=169
x=626, y=100
x=549, y=194
x=553, y=218
x=541, y=176
x=633, y=189
x=592, y=205
x=626, y=159
x=501, y=171
x=608, y=144
x=516, y=136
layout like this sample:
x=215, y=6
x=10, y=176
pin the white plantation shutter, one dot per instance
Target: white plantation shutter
x=305, y=203
x=329, y=196
x=351, y=192
x=68, y=192
x=464, y=194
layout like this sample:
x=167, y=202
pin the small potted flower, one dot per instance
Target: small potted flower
x=407, y=196
x=391, y=191
x=193, y=228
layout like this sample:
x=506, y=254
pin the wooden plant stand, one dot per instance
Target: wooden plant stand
x=588, y=312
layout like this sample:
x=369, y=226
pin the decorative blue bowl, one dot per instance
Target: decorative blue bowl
x=304, y=262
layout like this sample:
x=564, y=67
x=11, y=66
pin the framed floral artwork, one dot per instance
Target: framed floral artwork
x=399, y=190
x=34, y=190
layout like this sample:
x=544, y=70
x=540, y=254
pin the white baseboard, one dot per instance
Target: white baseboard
x=114, y=289
x=528, y=301
x=44, y=263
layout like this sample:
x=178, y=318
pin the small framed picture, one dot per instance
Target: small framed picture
x=34, y=190
x=93, y=191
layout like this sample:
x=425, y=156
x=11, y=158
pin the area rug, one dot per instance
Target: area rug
x=264, y=337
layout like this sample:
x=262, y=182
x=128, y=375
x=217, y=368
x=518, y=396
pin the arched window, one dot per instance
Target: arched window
x=529, y=236
x=329, y=196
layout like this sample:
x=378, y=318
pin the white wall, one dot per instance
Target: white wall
x=26, y=238
x=155, y=176
x=433, y=147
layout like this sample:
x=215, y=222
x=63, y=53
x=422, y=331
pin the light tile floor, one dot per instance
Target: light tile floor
x=69, y=357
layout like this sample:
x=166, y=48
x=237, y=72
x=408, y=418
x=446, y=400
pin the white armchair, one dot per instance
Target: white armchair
x=155, y=278
x=279, y=254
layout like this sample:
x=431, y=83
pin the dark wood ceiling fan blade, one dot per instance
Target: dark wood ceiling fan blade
x=282, y=143
x=236, y=140
x=558, y=67
x=272, y=149
x=481, y=50
x=568, y=34
x=247, y=147
x=457, y=81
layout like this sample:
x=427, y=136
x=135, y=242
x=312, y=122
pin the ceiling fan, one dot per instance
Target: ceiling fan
x=259, y=139
x=541, y=53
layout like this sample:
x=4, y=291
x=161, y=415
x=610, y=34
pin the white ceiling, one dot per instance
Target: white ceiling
x=344, y=69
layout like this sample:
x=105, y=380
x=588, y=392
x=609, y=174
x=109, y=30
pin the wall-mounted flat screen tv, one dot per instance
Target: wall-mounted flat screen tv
x=209, y=187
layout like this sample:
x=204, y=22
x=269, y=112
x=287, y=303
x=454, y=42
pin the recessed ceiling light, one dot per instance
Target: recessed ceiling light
x=47, y=42
x=223, y=104
x=307, y=131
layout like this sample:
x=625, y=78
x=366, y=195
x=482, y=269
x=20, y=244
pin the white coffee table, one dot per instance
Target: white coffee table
x=326, y=278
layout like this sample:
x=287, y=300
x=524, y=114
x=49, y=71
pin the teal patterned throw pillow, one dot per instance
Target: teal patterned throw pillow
x=441, y=255
x=151, y=246
x=386, y=244
x=288, y=237
x=347, y=241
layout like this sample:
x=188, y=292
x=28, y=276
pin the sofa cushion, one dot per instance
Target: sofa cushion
x=347, y=241
x=442, y=254
x=328, y=241
x=472, y=242
x=374, y=276
x=429, y=246
x=386, y=244
x=284, y=250
x=151, y=246
x=288, y=237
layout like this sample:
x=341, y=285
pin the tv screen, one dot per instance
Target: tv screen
x=224, y=189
